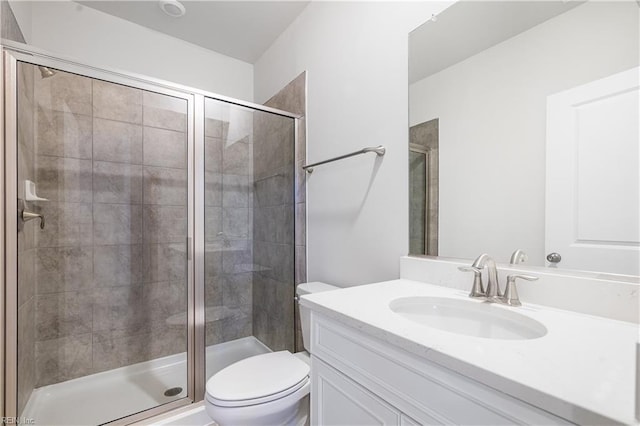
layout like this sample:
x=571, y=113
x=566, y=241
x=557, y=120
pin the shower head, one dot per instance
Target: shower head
x=46, y=72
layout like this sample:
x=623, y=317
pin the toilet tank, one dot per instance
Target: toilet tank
x=305, y=314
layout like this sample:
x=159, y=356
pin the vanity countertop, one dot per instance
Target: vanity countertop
x=583, y=369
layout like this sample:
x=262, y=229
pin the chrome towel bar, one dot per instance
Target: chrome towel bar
x=379, y=150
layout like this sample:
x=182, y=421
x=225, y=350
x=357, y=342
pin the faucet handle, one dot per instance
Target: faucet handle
x=477, y=290
x=512, y=278
x=27, y=216
x=511, y=292
x=469, y=269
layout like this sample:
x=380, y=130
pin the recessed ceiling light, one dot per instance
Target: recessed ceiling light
x=173, y=8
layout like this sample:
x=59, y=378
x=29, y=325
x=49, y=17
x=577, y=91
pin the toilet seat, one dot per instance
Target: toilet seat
x=284, y=411
x=257, y=380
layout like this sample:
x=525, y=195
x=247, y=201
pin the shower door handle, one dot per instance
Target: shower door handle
x=26, y=216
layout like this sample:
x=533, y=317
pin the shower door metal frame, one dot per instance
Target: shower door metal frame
x=3, y=277
x=427, y=199
x=11, y=58
x=12, y=52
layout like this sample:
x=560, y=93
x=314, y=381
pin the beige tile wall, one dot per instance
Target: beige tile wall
x=110, y=264
x=9, y=28
x=280, y=220
x=229, y=142
x=426, y=135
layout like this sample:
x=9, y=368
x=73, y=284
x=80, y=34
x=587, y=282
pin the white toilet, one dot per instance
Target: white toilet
x=268, y=389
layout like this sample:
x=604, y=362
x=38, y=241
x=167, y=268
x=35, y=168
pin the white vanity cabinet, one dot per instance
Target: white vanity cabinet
x=341, y=401
x=358, y=379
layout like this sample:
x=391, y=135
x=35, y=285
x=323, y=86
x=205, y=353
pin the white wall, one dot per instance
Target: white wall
x=492, y=111
x=96, y=38
x=356, y=57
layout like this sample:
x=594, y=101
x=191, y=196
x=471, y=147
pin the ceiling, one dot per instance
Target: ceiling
x=469, y=27
x=240, y=29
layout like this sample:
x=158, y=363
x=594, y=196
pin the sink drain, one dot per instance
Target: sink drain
x=173, y=391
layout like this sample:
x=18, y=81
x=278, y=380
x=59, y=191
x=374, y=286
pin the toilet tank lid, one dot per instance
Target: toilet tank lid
x=314, y=287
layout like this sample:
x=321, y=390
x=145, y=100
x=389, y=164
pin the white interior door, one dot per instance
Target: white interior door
x=593, y=177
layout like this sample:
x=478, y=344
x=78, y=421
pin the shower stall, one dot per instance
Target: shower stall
x=148, y=240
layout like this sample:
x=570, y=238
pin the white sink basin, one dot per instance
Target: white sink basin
x=468, y=317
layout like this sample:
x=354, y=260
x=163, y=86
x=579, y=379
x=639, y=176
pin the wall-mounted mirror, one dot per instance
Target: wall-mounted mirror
x=524, y=133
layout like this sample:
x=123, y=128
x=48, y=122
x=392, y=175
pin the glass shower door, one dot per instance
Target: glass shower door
x=103, y=275
x=249, y=233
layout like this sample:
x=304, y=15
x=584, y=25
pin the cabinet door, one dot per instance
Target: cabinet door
x=338, y=401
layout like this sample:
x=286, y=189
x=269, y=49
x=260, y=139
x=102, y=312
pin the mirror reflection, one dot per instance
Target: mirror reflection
x=524, y=134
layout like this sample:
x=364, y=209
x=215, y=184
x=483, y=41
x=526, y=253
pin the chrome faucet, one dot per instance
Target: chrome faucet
x=493, y=292
x=518, y=256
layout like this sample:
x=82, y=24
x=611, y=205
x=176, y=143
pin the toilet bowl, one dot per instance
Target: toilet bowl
x=267, y=389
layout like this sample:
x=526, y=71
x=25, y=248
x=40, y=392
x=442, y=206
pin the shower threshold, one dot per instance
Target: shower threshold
x=109, y=395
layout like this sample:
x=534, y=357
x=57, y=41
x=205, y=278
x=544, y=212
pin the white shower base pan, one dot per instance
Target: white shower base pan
x=109, y=395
